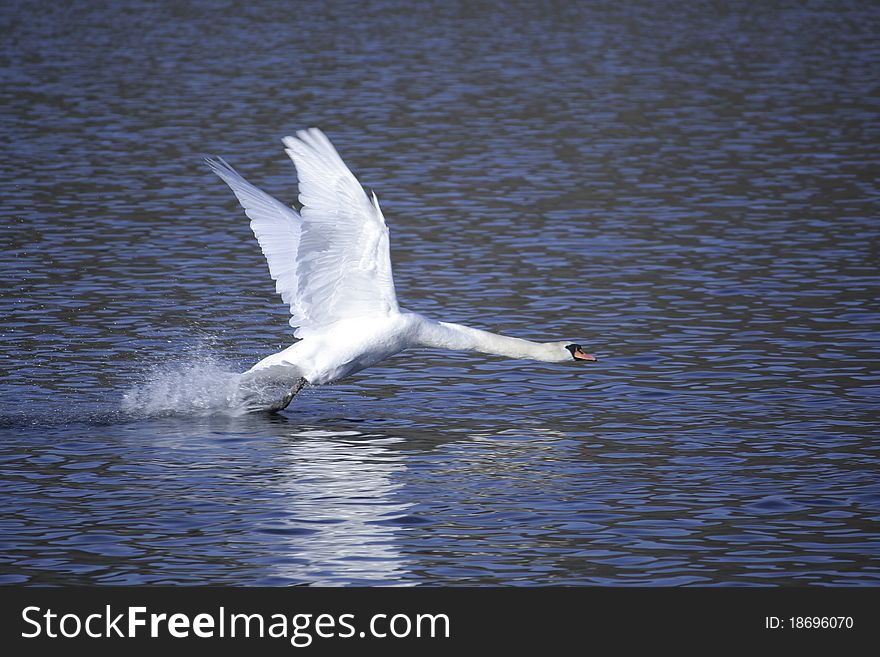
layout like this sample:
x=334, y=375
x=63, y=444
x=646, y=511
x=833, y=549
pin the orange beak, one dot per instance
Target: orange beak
x=580, y=355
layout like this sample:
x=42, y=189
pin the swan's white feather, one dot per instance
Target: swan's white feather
x=331, y=261
x=277, y=229
x=344, y=262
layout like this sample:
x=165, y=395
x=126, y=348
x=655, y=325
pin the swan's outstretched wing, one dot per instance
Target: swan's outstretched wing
x=277, y=229
x=344, y=261
x=332, y=261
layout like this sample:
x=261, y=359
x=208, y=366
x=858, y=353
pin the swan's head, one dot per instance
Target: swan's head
x=578, y=354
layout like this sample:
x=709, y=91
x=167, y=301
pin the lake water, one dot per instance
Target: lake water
x=688, y=190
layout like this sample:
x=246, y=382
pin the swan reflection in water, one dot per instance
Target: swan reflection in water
x=343, y=490
x=293, y=505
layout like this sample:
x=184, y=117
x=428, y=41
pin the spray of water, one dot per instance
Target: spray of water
x=199, y=385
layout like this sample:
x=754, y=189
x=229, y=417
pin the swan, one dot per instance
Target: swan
x=331, y=265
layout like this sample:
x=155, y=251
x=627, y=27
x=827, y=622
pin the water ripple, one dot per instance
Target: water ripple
x=691, y=193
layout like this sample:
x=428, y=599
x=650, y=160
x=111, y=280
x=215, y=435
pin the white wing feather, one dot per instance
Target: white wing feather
x=344, y=262
x=276, y=227
x=332, y=261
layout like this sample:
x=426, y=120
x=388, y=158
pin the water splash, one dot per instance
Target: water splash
x=190, y=388
x=196, y=387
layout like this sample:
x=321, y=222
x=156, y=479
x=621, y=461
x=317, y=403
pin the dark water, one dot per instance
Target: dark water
x=689, y=190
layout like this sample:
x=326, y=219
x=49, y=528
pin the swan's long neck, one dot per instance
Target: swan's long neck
x=445, y=335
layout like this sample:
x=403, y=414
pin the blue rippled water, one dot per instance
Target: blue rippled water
x=688, y=190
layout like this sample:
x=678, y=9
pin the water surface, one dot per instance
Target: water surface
x=689, y=191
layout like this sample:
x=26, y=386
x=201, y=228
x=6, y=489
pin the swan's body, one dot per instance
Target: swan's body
x=342, y=349
x=332, y=266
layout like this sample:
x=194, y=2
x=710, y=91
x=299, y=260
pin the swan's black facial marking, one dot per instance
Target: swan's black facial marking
x=578, y=354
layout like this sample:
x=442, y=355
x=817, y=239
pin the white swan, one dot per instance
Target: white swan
x=332, y=266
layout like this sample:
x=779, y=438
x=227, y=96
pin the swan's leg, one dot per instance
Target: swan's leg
x=285, y=401
x=255, y=388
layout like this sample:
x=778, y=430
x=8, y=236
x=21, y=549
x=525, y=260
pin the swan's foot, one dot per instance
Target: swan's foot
x=254, y=406
x=285, y=401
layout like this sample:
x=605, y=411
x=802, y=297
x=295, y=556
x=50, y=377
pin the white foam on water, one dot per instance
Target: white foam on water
x=197, y=385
